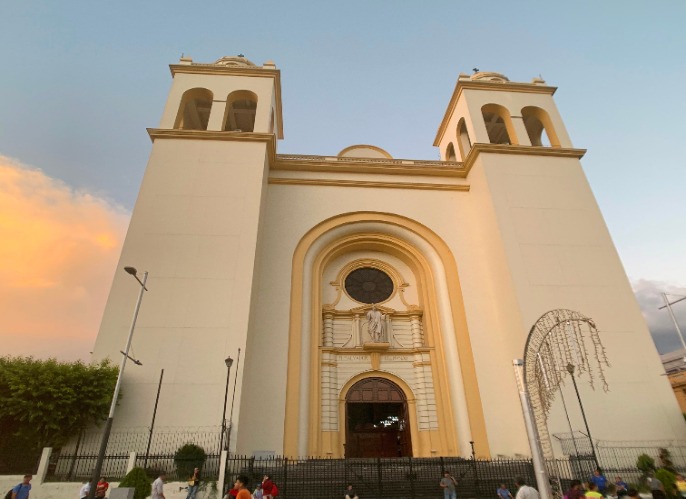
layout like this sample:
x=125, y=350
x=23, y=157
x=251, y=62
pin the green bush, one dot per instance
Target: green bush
x=138, y=479
x=668, y=479
x=645, y=463
x=188, y=457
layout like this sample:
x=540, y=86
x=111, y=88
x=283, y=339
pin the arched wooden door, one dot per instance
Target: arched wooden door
x=377, y=422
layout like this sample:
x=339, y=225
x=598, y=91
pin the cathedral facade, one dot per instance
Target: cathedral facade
x=378, y=303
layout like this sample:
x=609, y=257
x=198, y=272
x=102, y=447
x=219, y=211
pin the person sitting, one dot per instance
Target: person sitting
x=621, y=487
x=350, y=492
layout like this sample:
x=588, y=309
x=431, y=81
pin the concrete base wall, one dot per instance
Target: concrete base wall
x=70, y=490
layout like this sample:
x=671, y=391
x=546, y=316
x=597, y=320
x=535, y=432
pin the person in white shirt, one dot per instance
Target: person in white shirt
x=85, y=490
x=158, y=486
x=525, y=492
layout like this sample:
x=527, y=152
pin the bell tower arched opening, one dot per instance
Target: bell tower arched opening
x=377, y=420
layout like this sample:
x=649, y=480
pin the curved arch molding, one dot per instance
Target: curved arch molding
x=459, y=409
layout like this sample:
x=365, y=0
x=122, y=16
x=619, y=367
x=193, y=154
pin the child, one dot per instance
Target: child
x=258, y=492
x=503, y=493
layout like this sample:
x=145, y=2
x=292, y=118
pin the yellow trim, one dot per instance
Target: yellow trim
x=364, y=183
x=267, y=138
x=462, y=85
x=364, y=146
x=474, y=406
x=558, y=152
x=259, y=72
x=359, y=165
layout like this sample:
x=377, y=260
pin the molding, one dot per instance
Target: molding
x=268, y=138
x=252, y=72
x=372, y=165
x=556, y=152
x=363, y=183
x=488, y=86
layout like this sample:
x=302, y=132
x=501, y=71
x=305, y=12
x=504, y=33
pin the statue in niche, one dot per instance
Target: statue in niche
x=377, y=324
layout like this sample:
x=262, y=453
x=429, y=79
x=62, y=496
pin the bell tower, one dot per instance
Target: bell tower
x=537, y=242
x=195, y=229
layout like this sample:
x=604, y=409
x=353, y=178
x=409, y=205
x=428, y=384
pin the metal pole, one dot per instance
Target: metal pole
x=233, y=398
x=226, y=397
x=569, y=422
x=570, y=368
x=108, y=425
x=537, y=457
x=152, y=423
x=676, y=324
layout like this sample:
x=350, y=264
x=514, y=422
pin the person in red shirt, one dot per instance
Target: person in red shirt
x=101, y=488
x=267, y=488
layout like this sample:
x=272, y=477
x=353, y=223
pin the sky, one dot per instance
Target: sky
x=82, y=80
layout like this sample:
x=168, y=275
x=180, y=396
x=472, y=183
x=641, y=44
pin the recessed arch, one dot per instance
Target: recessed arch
x=398, y=385
x=239, y=116
x=450, y=153
x=539, y=127
x=463, y=140
x=499, y=124
x=194, y=109
x=380, y=230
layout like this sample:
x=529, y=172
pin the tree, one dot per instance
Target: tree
x=45, y=402
x=187, y=458
x=139, y=481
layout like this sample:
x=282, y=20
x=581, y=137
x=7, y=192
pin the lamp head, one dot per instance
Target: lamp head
x=228, y=361
x=570, y=368
x=130, y=270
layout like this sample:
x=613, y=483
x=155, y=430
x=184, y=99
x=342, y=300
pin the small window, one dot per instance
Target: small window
x=450, y=153
x=498, y=124
x=539, y=127
x=463, y=140
x=240, y=111
x=194, y=111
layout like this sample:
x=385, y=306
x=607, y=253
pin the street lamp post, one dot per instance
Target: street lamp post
x=570, y=370
x=228, y=361
x=125, y=356
x=233, y=399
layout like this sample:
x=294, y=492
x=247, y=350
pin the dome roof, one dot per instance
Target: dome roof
x=489, y=76
x=364, y=151
x=238, y=61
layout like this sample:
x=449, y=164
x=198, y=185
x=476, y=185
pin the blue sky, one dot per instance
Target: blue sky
x=81, y=80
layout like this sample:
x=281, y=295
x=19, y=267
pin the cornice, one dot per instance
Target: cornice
x=376, y=165
x=557, y=152
x=224, y=70
x=267, y=138
x=489, y=86
x=368, y=184
x=256, y=72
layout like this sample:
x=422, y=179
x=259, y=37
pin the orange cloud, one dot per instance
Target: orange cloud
x=58, y=252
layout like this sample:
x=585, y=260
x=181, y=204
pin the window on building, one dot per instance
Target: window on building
x=450, y=153
x=498, y=124
x=463, y=140
x=194, y=110
x=539, y=127
x=240, y=111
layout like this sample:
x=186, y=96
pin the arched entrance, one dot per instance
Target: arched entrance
x=376, y=420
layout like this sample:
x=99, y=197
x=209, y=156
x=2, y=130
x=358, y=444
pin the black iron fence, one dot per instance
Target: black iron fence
x=380, y=478
x=75, y=461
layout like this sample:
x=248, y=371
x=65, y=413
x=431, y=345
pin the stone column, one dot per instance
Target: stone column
x=416, y=328
x=328, y=330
